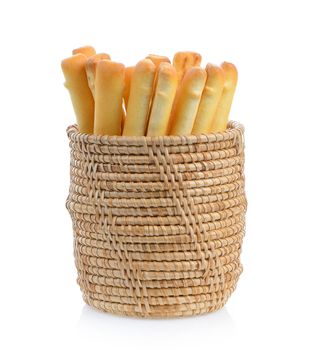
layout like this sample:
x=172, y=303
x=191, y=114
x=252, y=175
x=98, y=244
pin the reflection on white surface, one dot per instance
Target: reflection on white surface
x=210, y=328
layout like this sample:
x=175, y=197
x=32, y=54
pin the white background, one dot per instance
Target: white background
x=273, y=45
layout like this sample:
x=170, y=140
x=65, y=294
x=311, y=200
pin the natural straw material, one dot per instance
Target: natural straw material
x=158, y=221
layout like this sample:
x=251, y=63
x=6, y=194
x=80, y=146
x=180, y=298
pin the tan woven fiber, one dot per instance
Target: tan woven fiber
x=158, y=221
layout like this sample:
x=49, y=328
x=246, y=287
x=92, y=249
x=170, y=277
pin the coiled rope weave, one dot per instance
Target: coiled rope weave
x=158, y=222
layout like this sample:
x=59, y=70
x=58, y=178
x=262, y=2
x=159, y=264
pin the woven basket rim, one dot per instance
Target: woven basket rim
x=233, y=129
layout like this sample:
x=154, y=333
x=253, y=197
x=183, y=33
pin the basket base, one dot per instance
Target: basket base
x=159, y=311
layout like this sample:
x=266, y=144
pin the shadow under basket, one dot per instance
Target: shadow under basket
x=158, y=221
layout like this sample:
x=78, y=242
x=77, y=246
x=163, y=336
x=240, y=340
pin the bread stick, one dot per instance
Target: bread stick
x=85, y=50
x=184, y=60
x=165, y=91
x=77, y=84
x=139, y=99
x=91, y=67
x=109, y=85
x=211, y=95
x=156, y=59
x=127, y=85
x=222, y=112
x=187, y=104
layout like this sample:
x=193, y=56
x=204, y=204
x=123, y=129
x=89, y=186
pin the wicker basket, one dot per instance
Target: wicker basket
x=158, y=222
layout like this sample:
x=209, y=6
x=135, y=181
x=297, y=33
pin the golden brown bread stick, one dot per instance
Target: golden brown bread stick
x=223, y=108
x=211, y=95
x=184, y=60
x=127, y=85
x=85, y=50
x=187, y=103
x=77, y=84
x=139, y=99
x=156, y=59
x=165, y=91
x=91, y=67
x=109, y=85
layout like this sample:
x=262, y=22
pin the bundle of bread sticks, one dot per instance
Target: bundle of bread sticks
x=153, y=98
